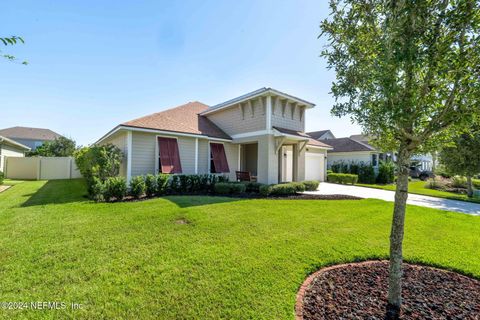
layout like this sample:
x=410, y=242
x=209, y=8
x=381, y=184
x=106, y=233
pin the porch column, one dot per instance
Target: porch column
x=129, y=156
x=298, y=173
x=267, y=162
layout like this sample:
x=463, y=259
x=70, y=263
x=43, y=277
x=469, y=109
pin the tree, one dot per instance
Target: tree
x=463, y=157
x=11, y=41
x=407, y=72
x=60, y=147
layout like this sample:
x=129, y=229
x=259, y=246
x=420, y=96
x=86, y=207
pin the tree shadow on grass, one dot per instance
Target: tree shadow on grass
x=57, y=192
x=194, y=200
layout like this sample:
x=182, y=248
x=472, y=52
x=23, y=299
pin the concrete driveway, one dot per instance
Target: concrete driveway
x=414, y=199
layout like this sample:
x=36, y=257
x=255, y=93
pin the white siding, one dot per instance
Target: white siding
x=349, y=157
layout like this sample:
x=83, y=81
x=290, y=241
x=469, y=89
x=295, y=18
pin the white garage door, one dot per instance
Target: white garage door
x=314, y=166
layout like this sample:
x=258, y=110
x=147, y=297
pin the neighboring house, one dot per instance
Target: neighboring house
x=349, y=150
x=30, y=137
x=262, y=132
x=321, y=135
x=10, y=148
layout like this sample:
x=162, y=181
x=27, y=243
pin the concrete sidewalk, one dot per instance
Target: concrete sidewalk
x=414, y=199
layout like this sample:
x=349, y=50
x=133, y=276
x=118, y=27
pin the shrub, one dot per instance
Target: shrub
x=354, y=168
x=252, y=187
x=458, y=182
x=101, y=162
x=137, y=186
x=115, y=188
x=229, y=187
x=283, y=189
x=436, y=184
x=264, y=190
x=386, y=172
x=299, y=186
x=162, y=183
x=98, y=190
x=329, y=171
x=150, y=185
x=339, y=167
x=2, y=177
x=476, y=183
x=366, y=173
x=342, y=178
x=311, y=185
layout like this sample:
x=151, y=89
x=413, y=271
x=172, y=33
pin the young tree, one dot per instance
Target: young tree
x=60, y=147
x=407, y=72
x=463, y=158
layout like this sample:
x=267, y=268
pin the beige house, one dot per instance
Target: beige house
x=262, y=132
x=10, y=148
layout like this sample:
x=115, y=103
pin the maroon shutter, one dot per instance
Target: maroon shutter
x=164, y=154
x=175, y=156
x=219, y=157
x=169, y=155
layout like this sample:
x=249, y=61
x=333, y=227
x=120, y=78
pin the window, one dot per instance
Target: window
x=218, y=158
x=374, y=160
x=168, y=156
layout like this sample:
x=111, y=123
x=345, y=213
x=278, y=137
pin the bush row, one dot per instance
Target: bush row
x=2, y=176
x=366, y=172
x=115, y=188
x=343, y=178
x=291, y=188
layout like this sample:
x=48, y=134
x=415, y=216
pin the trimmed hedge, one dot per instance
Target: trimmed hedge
x=343, y=178
x=311, y=185
x=283, y=189
x=229, y=188
x=252, y=187
x=115, y=189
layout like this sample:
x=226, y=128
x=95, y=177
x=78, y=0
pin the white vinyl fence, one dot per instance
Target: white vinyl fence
x=40, y=168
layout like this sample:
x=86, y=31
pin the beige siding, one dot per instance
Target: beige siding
x=285, y=120
x=119, y=139
x=9, y=151
x=232, y=122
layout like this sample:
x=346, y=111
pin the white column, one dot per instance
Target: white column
x=129, y=156
x=239, y=156
x=196, y=155
x=268, y=113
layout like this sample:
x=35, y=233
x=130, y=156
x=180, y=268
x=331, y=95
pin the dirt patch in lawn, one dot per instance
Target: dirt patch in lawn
x=359, y=291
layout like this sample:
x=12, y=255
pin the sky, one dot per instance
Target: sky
x=95, y=64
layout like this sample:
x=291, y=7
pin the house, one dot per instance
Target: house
x=261, y=132
x=349, y=150
x=321, y=135
x=30, y=137
x=10, y=148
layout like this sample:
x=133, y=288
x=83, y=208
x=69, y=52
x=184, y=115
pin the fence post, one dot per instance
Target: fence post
x=39, y=171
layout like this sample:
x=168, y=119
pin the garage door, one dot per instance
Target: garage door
x=314, y=166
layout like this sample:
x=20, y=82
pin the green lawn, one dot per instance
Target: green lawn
x=234, y=259
x=418, y=187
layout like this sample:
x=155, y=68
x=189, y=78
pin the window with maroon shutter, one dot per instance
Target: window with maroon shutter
x=168, y=156
x=218, y=158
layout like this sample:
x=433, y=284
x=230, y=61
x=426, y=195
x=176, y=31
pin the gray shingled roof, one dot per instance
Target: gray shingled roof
x=347, y=145
x=317, y=134
x=311, y=142
x=29, y=133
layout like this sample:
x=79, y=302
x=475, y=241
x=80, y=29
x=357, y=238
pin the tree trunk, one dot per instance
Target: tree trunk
x=469, y=186
x=396, y=236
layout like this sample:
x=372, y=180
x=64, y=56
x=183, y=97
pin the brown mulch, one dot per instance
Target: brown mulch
x=359, y=290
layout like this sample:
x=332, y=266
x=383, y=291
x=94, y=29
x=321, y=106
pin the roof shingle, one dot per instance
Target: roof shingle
x=29, y=133
x=348, y=145
x=182, y=119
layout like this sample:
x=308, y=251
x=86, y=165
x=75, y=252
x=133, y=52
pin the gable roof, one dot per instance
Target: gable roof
x=29, y=133
x=13, y=143
x=311, y=142
x=255, y=94
x=318, y=134
x=182, y=119
x=348, y=145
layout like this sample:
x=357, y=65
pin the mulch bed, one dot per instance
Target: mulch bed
x=359, y=291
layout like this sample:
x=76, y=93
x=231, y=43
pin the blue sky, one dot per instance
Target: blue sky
x=94, y=64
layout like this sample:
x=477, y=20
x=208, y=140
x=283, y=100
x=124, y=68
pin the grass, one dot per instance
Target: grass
x=198, y=257
x=418, y=187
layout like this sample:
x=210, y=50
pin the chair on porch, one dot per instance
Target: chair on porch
x=245, y=176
